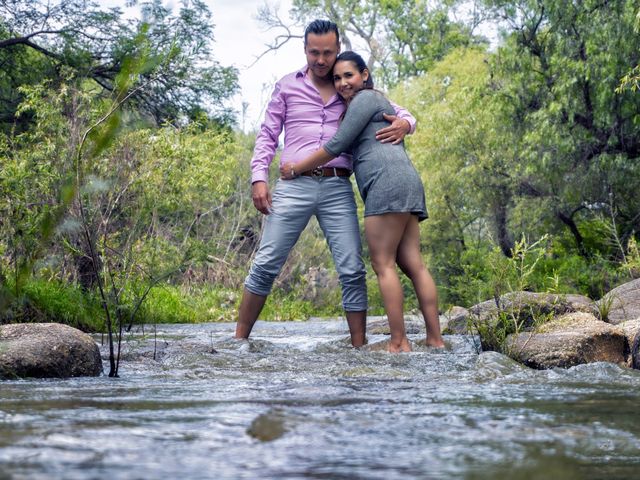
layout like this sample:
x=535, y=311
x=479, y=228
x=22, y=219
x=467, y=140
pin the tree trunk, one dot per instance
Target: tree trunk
x=568, y=221
x=500, y=215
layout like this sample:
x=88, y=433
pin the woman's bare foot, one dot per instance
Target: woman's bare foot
x=398, y=347
x=435, y=343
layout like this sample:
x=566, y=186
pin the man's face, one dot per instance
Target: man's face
x=321, y=51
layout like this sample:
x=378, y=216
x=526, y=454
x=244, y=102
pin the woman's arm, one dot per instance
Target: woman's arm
x=291, y=170
x=363, y=107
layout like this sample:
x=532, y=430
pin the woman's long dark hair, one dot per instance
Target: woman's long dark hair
x=360, y=64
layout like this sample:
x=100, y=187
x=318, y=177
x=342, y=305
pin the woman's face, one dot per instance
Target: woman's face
x=348, y=80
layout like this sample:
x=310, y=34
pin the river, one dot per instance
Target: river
x=296, y=402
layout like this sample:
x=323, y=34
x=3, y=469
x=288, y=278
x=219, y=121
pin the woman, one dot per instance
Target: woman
x=392, y=193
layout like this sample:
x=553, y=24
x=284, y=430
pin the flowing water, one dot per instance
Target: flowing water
x=296, y=402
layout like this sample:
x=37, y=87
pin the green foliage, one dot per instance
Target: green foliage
x=40, y=39
x=508, y=277
x=170, y=303
x=533, y=140
x=44, y=300
x=403, y=38
x=632, y=258
x=108, y=211
x=560, y=83
x=550, y=265
x=631, y=80
x=281, y=306
x=530, y=141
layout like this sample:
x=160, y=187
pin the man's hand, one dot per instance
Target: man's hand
x=395, y=132
x=261, y=197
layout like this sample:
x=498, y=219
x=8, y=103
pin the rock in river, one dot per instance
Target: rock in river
x=569, y=340
x=47, y=350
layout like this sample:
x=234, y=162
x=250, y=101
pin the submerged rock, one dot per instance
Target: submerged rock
x=47, y=350
x=568, y=340
x=268, y=426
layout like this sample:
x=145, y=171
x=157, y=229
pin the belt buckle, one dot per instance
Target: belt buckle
x=317, y=172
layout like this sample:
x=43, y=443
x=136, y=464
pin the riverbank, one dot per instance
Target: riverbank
x=45, y=301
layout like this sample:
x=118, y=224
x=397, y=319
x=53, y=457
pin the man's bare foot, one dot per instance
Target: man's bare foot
x=398, y=347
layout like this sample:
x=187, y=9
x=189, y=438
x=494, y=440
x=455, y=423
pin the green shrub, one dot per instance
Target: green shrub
x=53, y=301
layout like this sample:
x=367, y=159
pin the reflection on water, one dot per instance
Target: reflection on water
x=297, y=402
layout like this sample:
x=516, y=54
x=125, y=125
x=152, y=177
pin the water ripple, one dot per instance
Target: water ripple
x=296, y=401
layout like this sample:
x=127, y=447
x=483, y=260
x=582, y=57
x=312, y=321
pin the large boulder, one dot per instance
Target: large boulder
x=631, y=328
x=568, y=340
x=47, y=350
x=622, y=303
x=521, y=312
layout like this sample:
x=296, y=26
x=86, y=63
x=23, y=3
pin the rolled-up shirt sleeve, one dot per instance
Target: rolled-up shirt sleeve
x=267, y=140
x=405, y=115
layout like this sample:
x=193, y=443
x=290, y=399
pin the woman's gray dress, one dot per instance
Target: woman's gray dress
x=387, y=180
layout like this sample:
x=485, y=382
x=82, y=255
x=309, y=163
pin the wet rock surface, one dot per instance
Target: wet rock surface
x=47, y=350
x=569, y=340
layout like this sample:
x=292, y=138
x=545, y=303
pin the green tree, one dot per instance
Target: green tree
x=632, y=79
x=559, y=68
x=532, y=140
x=465, y=149
x=402, y=38
x=38, y=38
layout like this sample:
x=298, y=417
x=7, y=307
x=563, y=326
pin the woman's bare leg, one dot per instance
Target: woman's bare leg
x=383, y=234
x=410, y=261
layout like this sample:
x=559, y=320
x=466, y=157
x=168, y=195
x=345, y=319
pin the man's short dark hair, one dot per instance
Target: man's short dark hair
x=320, y=27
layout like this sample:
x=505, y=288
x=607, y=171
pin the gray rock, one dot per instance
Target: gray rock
x=268, y=426
x=631, y=329
x=569, y=340
x=622, y=303
x=47, y=350
x=455, y=321
x=521, y=312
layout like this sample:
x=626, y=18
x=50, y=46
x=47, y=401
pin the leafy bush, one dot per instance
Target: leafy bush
x=54, y=301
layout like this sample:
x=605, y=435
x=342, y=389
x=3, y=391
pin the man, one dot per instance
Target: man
x=305, y=103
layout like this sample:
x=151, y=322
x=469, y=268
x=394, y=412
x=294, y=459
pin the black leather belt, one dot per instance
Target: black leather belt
x=327, y=172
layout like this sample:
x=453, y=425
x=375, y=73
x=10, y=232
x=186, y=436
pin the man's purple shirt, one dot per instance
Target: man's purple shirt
x=309, y=123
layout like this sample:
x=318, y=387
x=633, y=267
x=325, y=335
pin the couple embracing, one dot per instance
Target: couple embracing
x=327, y=109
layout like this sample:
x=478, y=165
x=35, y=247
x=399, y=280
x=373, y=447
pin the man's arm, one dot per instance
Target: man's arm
x=261, y=196
x=402, y=123
x=265, y=150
